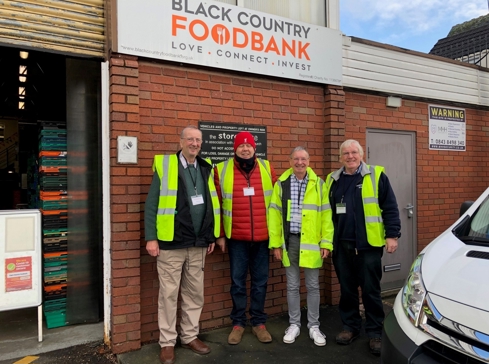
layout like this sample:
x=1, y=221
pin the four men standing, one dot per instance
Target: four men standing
x=188, y=209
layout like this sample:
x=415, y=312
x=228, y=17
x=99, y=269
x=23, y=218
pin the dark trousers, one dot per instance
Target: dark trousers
x=247, y=256
x=364, y=270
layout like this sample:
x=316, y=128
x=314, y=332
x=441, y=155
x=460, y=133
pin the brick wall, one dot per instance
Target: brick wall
x=125, y=191
x=334, y=135
x=444, y=178
x=155, y=102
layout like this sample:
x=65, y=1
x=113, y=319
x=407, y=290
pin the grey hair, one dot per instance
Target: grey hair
x=182, y=134
x=349, y=143
x=299, y=149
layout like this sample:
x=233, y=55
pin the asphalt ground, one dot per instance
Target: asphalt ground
x=93, y=353
x=250, y=350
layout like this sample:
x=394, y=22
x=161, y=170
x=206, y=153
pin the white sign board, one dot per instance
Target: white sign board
x=447, y=128
x=20, y=259
x=216, y=34
x=127, y=150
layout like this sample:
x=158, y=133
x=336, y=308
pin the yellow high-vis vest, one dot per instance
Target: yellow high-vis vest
x=167, y=168
x=370, y=199
x=316, y=226
x=226, y=180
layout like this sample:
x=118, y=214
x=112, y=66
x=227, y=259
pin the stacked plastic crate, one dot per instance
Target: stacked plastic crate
x=54, y=208
x=32, y=182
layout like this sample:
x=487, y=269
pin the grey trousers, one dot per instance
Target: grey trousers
x=293, y=274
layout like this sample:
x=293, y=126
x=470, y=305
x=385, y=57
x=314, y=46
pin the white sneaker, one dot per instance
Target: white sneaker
x=291, y=333
x=318, y=337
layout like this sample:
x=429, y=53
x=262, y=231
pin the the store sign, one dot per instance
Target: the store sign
x=218, y=140
x=447, y=128
x=220, y=35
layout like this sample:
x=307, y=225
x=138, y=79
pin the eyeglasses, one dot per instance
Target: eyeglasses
x=346, y=154
x=192, y=140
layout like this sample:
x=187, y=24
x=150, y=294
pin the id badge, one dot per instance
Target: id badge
x=296, y=218
x=197, y=200
x=249, y=191
x=341, y=208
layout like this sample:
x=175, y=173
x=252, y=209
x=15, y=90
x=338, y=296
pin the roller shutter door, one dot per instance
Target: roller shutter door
x=69, y=27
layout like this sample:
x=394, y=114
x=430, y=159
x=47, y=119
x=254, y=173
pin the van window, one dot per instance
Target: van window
x=479, y=226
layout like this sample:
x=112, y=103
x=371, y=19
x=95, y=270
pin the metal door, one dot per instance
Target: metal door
x=83, y=118
x=395, y=150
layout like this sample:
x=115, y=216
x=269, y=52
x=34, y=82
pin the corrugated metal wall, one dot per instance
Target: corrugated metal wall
x=373, y=66
x=72, y=27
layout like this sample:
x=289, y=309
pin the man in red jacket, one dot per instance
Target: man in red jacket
x=244, y=185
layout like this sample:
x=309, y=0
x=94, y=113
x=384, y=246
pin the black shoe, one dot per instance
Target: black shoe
x=346, y=337
x=375, y=345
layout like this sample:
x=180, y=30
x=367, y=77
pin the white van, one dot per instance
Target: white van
x=441, y=315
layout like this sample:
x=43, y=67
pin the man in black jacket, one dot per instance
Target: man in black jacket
x=181, y=224
x=365, y=218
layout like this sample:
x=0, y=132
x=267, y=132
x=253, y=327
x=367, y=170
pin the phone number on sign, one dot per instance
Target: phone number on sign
x=448, y=142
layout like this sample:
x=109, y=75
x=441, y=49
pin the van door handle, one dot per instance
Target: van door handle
x=410, y=208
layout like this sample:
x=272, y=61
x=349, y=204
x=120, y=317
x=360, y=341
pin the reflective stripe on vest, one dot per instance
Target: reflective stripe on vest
x=167, y=168
x=226, y=180
x=373, y=215
x=374, y=224
x=311, y=227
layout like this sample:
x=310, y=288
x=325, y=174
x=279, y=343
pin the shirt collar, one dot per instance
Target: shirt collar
x=306, y=178
x=183, y=160
x=359, y=169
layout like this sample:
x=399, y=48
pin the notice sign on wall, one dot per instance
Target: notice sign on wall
x=217, y=34
x=218, y=140
x=447, y=128
x=18, y=274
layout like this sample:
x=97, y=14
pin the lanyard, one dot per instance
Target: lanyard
x=299, y=204
x=247, y=176
x=190, y=173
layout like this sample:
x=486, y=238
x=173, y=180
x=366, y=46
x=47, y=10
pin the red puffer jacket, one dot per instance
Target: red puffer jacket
x=249, y=213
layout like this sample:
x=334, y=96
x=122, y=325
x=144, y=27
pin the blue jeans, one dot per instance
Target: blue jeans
x=249, y=256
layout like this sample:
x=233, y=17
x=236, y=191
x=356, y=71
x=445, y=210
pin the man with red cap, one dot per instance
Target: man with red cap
x=244, y=185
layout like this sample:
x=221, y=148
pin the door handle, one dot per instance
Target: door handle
x=410, y=208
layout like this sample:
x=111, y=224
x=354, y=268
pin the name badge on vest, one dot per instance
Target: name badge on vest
x=341, y=208
x=197, y=200
x=249, y=191
x=296, y=218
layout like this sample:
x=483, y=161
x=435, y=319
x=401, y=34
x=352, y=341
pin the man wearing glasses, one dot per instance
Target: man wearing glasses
x=245, y=186
x=301, y=234
x=182, y=223
x=366, y=219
